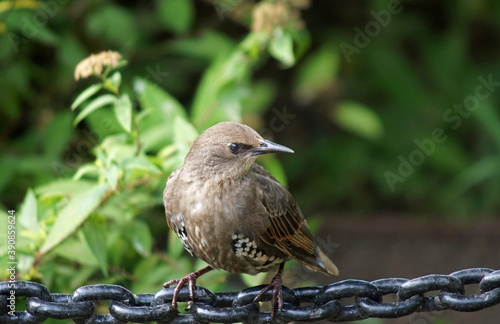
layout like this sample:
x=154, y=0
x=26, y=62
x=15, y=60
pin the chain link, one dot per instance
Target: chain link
x=301, y=304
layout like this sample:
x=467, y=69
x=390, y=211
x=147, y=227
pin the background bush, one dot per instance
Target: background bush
x=352, y=87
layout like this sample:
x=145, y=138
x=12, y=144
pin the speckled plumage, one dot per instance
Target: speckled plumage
x=231, y=213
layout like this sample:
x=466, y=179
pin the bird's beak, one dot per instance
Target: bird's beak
x=269, y=147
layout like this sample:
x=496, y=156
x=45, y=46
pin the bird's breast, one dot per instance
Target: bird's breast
x=218, y=221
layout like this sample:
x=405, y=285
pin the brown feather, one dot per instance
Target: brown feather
x=288, y=229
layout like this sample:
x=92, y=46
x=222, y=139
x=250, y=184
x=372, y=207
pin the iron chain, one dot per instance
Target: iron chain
x=302, y=304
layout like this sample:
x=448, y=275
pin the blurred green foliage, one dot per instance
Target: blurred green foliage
x=381, y=106
x=97, y=219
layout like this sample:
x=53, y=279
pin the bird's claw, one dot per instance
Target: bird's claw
x=190, y=279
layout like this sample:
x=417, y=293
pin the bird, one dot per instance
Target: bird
x=233, y=214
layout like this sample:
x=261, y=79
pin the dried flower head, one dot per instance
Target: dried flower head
x=94, y=64
x=299, y=4
x=268, y=16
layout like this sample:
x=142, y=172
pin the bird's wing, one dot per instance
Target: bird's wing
x=288, y=230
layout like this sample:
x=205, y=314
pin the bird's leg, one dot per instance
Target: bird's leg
x=190, y=279
x=276, y=285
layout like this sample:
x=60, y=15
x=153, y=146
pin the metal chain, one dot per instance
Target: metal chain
x=301, y=304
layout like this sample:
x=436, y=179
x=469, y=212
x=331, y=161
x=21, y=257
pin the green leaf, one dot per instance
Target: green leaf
x=171, y=158
x=141, y=238
x=281, y=47
x=176, y=15
x=142, y=269
x=317, y=73
x=70, y=51
x=442, y=54
x=273, y=165
x=112, y=176
x=102, y=123
x=114, y=25
x=224, y=75
x=209, y=45
x=481, y=171
x=3, y=235
x=28, y=216
x=87, y=93
x=74, y=250
x=116, y=79
x=252, y=281
x=262, y=95
x=99, y=102
x=230, y=102
x=160, y=109
x=115, y=148
x=184, y=135
x=23, y=22
x=57, y=135
x=184, y=131
x=402, y=84
x=488, y=116
x=9, y=166
x=157, y=100
x=81, y=277
x=123, y=112
x=358, y=119
x=84, y=169
x=25, y=262
x=93, y=234
x=206, y=95
x=449, y=158
x=140, y=163
x=63, y=188
x=74, y=214
x=301, y=41
x=175, y=248
x=253, y=44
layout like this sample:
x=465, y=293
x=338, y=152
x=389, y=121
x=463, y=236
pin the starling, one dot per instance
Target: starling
x=231, y=213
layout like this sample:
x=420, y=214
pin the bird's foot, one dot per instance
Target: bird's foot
x=277, y=286
x=190, y=279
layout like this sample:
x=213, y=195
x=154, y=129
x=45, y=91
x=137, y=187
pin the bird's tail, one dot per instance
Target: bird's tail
x=327, y=264
x=318, y=261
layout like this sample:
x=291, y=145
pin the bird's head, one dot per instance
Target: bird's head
x=231, y=148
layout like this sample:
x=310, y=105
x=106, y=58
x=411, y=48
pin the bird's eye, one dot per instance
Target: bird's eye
x=235, y=148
